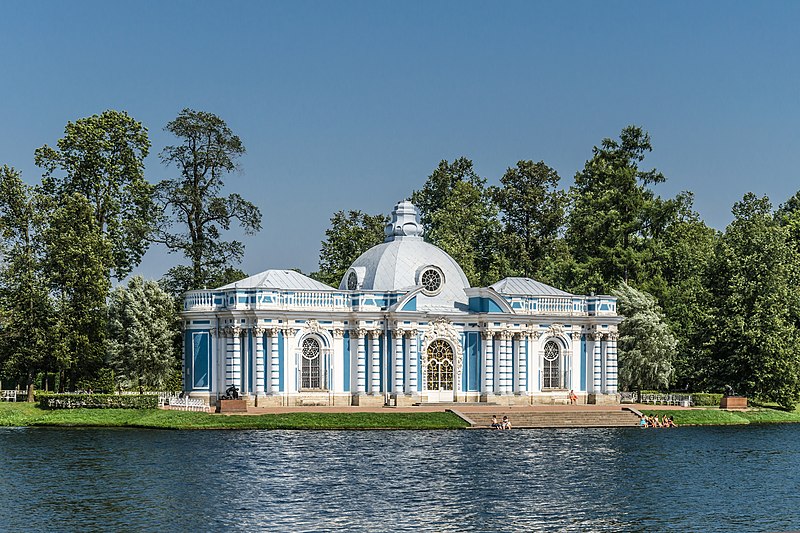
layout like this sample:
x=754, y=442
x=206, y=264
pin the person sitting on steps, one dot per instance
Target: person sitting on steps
x=495, y=423
x=573, y=398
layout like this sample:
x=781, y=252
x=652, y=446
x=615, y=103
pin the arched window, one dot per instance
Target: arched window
x=439, y=368
x=551, y=370
x=310, y=375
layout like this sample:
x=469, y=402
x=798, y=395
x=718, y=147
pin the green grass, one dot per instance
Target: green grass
x=23, y=414
x=718, y=417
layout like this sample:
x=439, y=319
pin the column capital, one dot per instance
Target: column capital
x=506, y=334
x=576, y=335
x=487, y=335
x=374, y=333
x=410, y=333
x=259, y=330
x=338, y=333
x=596, y=335
x=360, y=332
x=399, y=332
x=613, y=335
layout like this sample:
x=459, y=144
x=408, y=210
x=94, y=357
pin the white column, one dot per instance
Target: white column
x=398, y=361
x=290, y=369
x=236, y=366
x=375, y=384
x=215, y=367
x=412, y=361
x=534, y=358
x=361, y=380
x=575, y=357
x=274, y=362
x=597, y=371
x=488, y=361
x=611, y=363
x=259, y=363
x=522, y=363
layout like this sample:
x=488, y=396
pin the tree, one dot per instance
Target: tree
x=76, y=259
x=752, y=331
x=673, y=270
x=102, y=158
x=350, y=235
x=460, y=217
x=646, y=344
x=26, y=309
x=141, y=334
x=614, y=213
x=208, y=150
x=532, y=210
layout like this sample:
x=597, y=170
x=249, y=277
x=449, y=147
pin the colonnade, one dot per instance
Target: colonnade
x=511, y=360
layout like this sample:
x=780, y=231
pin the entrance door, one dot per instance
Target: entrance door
x=439, y=372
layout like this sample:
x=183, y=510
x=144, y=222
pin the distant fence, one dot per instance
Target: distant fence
x=656, y=398
x=177, y=403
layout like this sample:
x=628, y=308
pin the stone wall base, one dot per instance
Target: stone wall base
x=602, y=399
x=367, y=400
x=403, y=400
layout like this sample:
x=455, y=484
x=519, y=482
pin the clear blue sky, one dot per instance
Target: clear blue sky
x=351, y=105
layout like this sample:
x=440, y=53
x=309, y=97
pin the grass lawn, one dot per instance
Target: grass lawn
x=718, y=417
x=24, y=414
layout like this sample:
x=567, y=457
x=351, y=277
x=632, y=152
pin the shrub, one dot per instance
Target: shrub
x=49, y=400
x=706, y=399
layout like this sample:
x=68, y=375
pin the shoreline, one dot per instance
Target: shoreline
x=352, y=418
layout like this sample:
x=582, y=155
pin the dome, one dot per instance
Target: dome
x=405, y=261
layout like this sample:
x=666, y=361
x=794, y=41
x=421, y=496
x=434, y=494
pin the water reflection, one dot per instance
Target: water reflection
x=547, y=480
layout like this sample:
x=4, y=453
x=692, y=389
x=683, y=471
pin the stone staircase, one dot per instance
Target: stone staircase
x=557, y=419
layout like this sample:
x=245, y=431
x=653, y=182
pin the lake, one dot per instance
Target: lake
x=686, y=479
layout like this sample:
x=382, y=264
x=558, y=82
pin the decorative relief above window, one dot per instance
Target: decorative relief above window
x=431, y=280
x=352, y=281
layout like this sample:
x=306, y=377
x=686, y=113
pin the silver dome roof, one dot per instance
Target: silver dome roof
x=399, y=262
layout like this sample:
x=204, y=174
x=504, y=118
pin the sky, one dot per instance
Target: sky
x=352, y=104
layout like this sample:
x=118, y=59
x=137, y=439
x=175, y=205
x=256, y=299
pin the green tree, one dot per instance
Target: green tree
x=76, y=259
x=350, y=235
x=673, y=270
x=646, y=344
x=614, y=214
x=532, y=210
x=459, y=216
x=142, y=334
x=752, y=333
x=102, y=158
x=208, y=150
x=24, y=300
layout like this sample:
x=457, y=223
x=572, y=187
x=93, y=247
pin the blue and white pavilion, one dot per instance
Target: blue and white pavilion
x=404, y=326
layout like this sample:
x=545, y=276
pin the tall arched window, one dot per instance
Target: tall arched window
x=310, y=375
x=551, y=370
x=439, y=369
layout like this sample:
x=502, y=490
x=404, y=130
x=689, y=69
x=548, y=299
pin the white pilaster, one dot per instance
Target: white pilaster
x=611, y=363
x=375, y=384
x=398, y=361
x=488, y=361
x=597, y=371
x=412, y=362
x=361, y=362
x=522, y=363
x=260, y=362
x=274, y=362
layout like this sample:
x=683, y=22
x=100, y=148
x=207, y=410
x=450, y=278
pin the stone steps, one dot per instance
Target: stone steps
x=560, y=419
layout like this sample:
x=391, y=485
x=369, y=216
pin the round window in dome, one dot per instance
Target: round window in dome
x=352, y=281
x=431, y=280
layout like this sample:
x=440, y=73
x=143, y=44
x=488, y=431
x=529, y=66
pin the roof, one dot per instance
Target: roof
x=279, y=279
x=527, y=287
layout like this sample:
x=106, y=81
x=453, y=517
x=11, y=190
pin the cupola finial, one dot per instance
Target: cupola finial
x=405, y=222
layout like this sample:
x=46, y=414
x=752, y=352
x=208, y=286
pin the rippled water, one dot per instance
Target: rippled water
x=689, y=479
